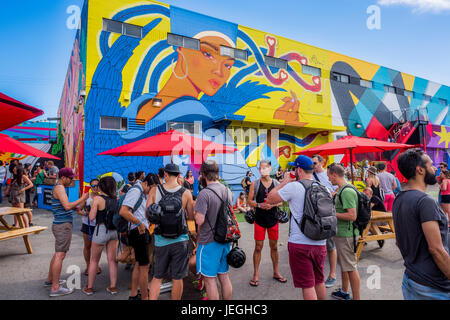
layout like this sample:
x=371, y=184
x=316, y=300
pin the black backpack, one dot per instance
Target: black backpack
x=173, y=222
x=110, y=207
x=319, y=220
x=364, y=212
x=226, y=229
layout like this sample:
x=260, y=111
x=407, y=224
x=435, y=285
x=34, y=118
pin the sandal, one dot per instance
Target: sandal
x=254, y=283
x=280, y=279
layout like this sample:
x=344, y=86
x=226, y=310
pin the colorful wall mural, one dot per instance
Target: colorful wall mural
x=72, y=105
x=247, y=104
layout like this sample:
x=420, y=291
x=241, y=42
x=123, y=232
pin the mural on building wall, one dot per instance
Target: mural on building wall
x=200, y=86
x=237, y=101
x=71, y=110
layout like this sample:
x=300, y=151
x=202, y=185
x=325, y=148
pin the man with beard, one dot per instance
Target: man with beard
x=421, y=231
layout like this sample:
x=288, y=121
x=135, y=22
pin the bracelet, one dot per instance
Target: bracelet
x=140, y=222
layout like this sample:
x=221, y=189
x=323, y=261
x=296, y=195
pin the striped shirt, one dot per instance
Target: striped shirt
x=60, y=214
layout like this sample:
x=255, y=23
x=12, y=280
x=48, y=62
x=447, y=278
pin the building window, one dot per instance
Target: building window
x=234, y=53
x=132, y=30
x=442, y=101
x=408, y=94
x=313, y=71
x=340, y=77
x=276, y=62
x=191, y=128
x=122, y=28
x=181, y=41
x=113, y=123
x=389, y=89
x=365, y=83
x=426, y=97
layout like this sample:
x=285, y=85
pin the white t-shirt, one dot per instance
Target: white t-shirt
x=131, y=198
x=323, y=179
x=85, y=219
x=294, y=192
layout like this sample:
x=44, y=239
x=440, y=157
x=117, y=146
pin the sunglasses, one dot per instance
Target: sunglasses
x=94, y=185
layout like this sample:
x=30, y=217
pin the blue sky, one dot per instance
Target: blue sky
x=414, y=37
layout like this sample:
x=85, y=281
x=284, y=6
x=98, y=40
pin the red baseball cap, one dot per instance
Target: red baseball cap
x=66, y=172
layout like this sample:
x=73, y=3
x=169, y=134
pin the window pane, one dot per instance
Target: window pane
x=112, y=26
x=111, y=123
x=174, y=40
x=132, y=30
x=311, y=70
x=226, y=51
x=240, y=54
x=191, y=43
x=335, y=76
x=443, y=101
x=344, y=78
x=280, y=63
x=426, y=97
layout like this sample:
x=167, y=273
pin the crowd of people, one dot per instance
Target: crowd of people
x=188, y=243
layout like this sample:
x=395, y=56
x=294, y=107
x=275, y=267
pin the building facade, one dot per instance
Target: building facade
x=142, y=67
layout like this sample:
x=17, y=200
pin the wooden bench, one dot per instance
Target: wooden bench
x=19, y=232
x=15, y=232
x=382, y=232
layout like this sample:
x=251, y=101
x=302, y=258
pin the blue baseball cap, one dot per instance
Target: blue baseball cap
x=303, y=162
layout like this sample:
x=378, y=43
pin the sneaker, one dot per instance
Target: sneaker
x=341, y=295
x=112, y=290
x=49, y=284
x=60, y=292
x=88, y=291
x=330, y=282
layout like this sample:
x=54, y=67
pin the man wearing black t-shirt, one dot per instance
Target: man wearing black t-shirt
x=421, y=229
x=266, y=218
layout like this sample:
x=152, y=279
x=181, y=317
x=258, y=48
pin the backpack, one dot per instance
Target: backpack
x=226, y=229
x=110, y=206
x=173, y=222
x=120, y=222
x=364, y=212
x=319, y=220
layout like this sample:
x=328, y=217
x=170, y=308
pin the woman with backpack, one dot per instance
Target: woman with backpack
x=102, y=210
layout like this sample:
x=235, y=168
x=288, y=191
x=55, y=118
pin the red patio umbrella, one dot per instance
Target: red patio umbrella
x=8, y=144
x=13, y=112
x=351, y=145
x=170, y=143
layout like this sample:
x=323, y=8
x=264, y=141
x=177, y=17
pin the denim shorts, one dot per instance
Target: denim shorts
x=212, y=259
x=415, y=291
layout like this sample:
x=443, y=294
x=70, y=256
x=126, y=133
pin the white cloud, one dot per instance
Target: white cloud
x=420, y=6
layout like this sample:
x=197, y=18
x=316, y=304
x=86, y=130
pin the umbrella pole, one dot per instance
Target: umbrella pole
x=351, y=166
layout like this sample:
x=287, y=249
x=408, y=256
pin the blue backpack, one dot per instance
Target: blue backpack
x=121, y=224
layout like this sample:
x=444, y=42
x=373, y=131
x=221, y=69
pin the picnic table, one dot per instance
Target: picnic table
x=381, y=232
x=20, y=231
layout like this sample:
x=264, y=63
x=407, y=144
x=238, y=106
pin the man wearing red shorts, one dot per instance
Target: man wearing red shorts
x=266, y=219
x=306, y=256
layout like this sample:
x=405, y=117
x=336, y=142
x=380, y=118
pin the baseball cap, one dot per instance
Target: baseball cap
x=66, y=172
x=172, y=168
x=303, y=162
